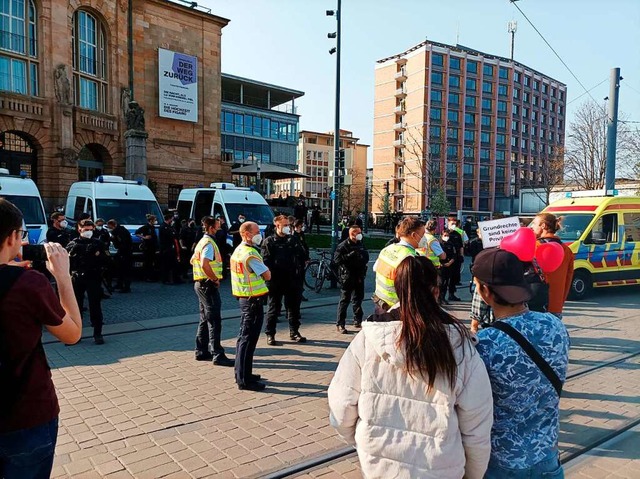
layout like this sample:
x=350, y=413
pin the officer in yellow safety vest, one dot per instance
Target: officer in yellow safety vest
x=248, y=283
x=411, y=233
x=433, y=249
x=207, y=272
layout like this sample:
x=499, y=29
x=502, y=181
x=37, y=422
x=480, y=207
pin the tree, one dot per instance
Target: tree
x=550, y=175
x=586, y=147
x=420, y=164
x=439, y=204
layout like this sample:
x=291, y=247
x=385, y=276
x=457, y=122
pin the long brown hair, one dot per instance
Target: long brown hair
x=424, y=336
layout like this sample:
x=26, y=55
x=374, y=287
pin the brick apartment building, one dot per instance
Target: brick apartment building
x=64, y=92
x=476, y=126
x=315, y=158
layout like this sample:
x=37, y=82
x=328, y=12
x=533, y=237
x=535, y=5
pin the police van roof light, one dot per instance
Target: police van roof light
x=23, y=174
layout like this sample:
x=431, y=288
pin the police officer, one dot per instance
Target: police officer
x=88, y=256
x=148, y=246
x=207, y=273
x=169, y=254
x=410, y=231
x=448, y=269
x=248, y=283
x=456, y=236
x=351, y=258
x=285, y=256
x=433, y=249
x=58, y=231
x=121, y=239
x=103, y=235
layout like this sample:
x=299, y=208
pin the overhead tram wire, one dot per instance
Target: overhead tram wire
x=633, y=88
x=584, y=93
x=513, y=2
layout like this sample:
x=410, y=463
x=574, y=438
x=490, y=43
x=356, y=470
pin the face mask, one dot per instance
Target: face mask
x=286, y=230
x=99, y=228
x=452, y=226
x=241, y=220
x=445, y=238
x=359, y=237
x=87, y=234
x=303, y=228
x=63, y=224
x=257, y=239
x=423, y=243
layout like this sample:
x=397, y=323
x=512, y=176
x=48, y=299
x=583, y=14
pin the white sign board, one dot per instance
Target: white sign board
x=177, y=86
x=494, y=230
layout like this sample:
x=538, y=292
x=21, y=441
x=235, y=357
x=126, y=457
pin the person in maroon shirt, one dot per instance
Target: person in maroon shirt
x=28, y=402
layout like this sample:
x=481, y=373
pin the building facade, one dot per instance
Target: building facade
x=315, y=159
x=473, y=125
x=66, y=87
x=259, y=123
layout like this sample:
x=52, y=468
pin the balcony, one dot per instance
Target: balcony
x=401, y=126
x=398, y=194
x=401, y=75
x=399, y=161
x=398, y=143
x=401, y=93
x=95, y=121
x=398, y=177
x=400, y=109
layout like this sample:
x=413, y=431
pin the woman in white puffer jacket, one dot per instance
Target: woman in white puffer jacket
x=411, y=392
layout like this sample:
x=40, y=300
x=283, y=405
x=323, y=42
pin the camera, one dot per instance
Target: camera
x=34, y=252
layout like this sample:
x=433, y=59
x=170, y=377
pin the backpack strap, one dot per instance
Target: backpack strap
x=535, y=356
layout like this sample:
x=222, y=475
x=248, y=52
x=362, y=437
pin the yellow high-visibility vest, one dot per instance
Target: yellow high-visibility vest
x=196, y=259
x=245, y=283
x=434, y=258
x=389, y=259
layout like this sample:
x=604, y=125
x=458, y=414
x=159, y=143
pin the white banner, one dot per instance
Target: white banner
x=493, y=231
x=177, y=86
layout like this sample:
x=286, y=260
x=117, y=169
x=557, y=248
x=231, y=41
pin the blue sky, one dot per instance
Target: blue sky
x=285, y=42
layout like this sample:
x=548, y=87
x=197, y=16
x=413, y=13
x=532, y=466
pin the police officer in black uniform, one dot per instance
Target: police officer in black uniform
x=102, y=234
x=284, y=255
x=122, y=241
x=88, y=256
x=169, y=262
x=58, y=231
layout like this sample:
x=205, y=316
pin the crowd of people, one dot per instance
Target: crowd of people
x=487, y=407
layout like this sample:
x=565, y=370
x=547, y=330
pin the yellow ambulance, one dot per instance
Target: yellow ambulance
x=604, y=234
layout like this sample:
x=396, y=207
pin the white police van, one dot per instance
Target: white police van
x=23, y=193
x=112, y=197
x=227, y=201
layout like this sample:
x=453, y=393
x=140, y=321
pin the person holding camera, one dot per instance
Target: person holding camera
x=88, y=257
x=207, y=273
x=28, y=403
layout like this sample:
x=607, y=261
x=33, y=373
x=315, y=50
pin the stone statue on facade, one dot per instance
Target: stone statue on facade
x=62, y=85
x=125, y=99
x=135, y=117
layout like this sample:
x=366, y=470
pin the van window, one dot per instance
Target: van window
x=30, y=207
x=632, y=227
x=573, y=225
x=203, y=204
x=260, y=214
x=127, y=212
x=605, y=230
x=90, y=208
x=217, y=211
x=78, y=209
x=184, y=209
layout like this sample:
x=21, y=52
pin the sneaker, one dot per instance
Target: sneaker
x=271, y=340
x=341, y=329
x=222, y=360
x=204, y=357
x=454, y=298
x=357, y=324
x=298, y=338
x=254, y=378
x=253, y=386
x=98, y=339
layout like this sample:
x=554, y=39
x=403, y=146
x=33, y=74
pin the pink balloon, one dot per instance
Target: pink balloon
x=549, y=256
x=522, y=243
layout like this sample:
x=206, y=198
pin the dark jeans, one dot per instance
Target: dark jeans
x=169, y=266
x=28, y=453
x=446, y=275
x=148, y=258
x=93, y=287
x=210, y=326
x=251, y=319
x=455, y=273
x=292, y=294
x=351, y=292
x=124, y=262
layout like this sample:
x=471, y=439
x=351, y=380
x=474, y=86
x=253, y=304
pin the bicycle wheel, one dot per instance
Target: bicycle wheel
x=311, y=273
x=317, y=287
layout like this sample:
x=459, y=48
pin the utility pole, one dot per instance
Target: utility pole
x=336, y=133
x=612, y=131
x=366, y=202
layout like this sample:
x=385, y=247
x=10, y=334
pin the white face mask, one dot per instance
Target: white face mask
x=286, y=230
x=63, y=224
x=99, y=227
x=257, y=239
x=359, y=237
x=87, y=234
x=452, y=226
x=445, y=239
x=241, y=220
x=423, y=243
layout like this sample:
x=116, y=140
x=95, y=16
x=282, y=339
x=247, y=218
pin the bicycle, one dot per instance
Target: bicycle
x=318, y=271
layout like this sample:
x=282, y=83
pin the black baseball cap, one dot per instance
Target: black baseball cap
x=504, y=272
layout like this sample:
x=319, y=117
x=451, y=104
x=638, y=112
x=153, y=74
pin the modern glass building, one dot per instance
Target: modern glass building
x=258, y=123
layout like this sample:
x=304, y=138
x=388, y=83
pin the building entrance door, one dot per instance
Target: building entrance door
x=17, y=154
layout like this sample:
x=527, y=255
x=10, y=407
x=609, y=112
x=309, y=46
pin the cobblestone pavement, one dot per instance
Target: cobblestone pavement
x=140, y=406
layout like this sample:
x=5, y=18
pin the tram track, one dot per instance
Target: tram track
x=347, y=452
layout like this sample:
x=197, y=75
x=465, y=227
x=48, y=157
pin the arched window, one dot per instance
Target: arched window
x=89, y=61
x=18, y=47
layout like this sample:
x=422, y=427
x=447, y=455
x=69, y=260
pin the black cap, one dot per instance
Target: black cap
x=504, y=272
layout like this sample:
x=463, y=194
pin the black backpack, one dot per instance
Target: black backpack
x=540, y=288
